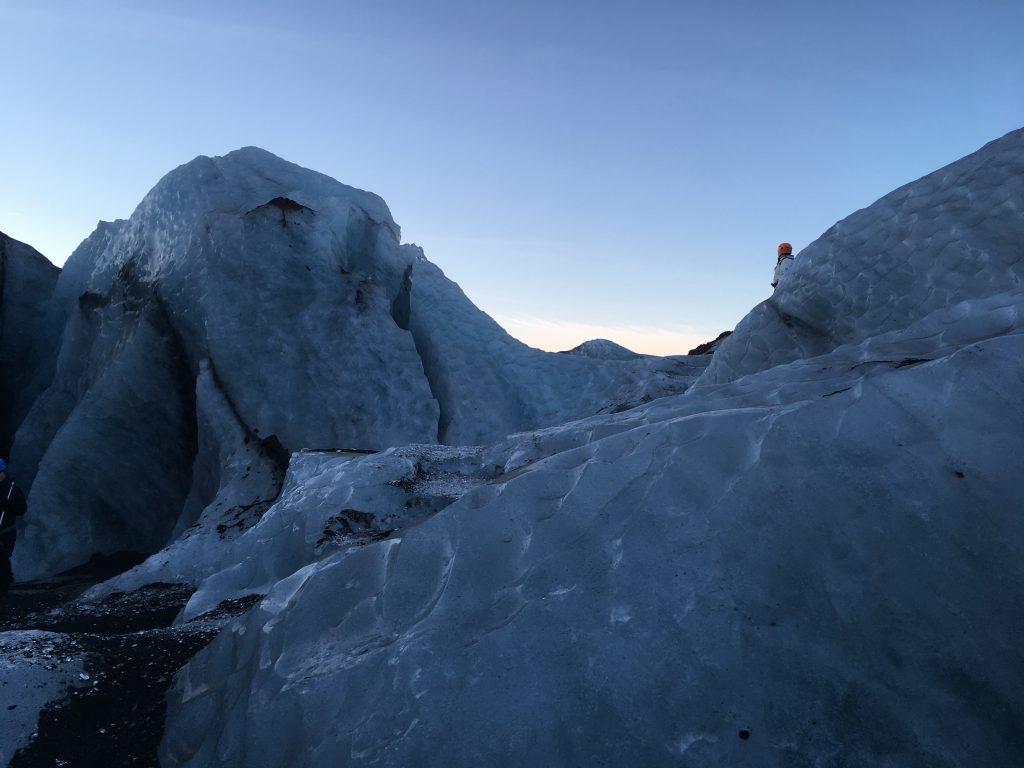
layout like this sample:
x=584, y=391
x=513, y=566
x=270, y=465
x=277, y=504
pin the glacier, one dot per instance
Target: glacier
x=804, y=549
x=790, y=556
x=811, y=557
x=250, y=305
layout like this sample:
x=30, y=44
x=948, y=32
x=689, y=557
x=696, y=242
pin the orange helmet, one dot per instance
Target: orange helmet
x=785, y=249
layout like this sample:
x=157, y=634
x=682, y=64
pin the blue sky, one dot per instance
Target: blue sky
x=581, y=169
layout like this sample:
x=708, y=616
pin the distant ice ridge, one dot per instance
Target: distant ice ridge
x=250, y=308
x=603, y=348
x=812, y=557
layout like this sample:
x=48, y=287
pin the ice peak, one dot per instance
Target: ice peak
x=250, y=176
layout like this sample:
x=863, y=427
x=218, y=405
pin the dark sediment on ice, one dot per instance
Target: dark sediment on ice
x=116, y=716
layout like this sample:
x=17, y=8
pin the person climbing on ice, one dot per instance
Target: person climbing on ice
x=784, y=263
x=12, y=506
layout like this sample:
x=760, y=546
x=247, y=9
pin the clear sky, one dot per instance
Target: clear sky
x=582, y=169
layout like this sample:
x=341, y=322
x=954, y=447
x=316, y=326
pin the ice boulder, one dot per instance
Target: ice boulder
x=282, y=279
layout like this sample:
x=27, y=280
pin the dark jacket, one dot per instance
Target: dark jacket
x=12, y=506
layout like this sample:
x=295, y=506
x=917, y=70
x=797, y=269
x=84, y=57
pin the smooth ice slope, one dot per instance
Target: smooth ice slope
x=820, y=563
x=250, y=308
x=955, y=234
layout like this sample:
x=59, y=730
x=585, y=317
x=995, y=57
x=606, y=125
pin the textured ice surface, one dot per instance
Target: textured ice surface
x=251, y=307
x=955, y=234
x=116, y=474
x=331, y=500
x=812, y=557
x=811, y=554
x=282, y=279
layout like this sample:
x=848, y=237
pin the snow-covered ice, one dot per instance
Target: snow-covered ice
x=603, y=348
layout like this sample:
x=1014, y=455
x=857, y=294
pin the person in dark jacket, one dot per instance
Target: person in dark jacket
x=12, y=506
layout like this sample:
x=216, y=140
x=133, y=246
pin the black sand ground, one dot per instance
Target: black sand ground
x=116, y=718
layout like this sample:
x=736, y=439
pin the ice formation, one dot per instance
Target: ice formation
x=812, y=556
x=26, y=283
x=252, y=308
x=954, y=235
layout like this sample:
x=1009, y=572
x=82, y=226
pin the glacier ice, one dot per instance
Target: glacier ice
x=805, y=551
x=603, y=348
x=250, y=308
x=812, y=557
x=953, y=235
x=796, y=557
x=26, y=283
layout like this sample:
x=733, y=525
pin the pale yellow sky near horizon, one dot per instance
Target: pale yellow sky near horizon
x=558, y=336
